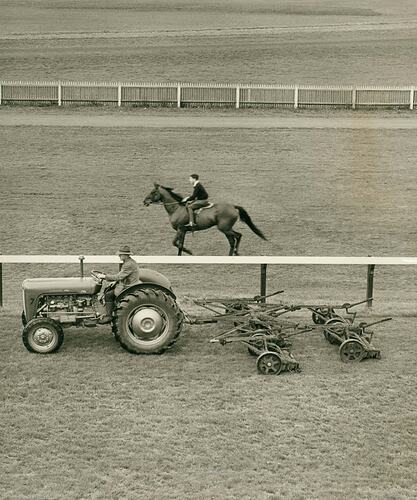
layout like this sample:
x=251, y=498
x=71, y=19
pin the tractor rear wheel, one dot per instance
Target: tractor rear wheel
x=148, y=321
x=42, y=335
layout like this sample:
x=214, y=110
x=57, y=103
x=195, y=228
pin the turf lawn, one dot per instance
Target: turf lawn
x=93, y=421
x=308, y=41
x=311, y=191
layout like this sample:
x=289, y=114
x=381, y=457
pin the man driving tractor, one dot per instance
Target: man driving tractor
x=197, y=200
x=128, y=275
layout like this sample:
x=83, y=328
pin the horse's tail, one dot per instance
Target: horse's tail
x=245, y=217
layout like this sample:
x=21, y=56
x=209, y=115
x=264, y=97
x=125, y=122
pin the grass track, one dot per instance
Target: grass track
x=96, y=422
x=93, y=421
x=320, y=42
x=69, y=185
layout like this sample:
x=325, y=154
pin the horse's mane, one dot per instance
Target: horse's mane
x=176, y=196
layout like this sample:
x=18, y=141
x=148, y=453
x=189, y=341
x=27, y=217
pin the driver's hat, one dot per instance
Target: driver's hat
x=124, y=250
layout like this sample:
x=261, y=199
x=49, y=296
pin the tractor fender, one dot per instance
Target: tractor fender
x=141, y=286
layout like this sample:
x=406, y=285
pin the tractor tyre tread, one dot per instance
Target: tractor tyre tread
x=30, y=324
x=167, y=303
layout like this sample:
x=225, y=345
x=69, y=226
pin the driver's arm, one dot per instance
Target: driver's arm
x=121, y=275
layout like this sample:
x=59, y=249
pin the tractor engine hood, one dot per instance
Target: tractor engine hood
x=60, y=285
x=35, y=288
x=85, y=285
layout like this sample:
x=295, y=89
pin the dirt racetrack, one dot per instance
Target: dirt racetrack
x=18, y=118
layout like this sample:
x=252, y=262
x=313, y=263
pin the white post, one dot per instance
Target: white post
x=179, y=96
x=59, y=94
x=249, y=94
x=237, y=97
x=354, y=98
x=119, y=95
x=1, y=91
x=411, y=98
x=296, y=97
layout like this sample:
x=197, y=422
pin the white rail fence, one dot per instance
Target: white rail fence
x=214, y=94
x=262, y=261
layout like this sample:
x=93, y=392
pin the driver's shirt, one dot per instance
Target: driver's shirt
x=128, y=275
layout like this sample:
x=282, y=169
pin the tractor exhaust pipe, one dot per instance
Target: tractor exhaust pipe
x=81, y=259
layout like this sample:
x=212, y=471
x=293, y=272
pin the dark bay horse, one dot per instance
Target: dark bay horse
x=222, y=215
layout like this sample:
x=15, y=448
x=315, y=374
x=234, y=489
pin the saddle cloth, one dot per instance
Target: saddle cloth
x=209, y=205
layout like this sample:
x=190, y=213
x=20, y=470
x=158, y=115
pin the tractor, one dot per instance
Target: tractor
x=146, y=317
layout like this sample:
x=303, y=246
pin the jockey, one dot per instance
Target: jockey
x=197, y=200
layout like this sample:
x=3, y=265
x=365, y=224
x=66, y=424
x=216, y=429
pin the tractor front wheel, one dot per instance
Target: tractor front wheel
x=42, y=335
x=148, y=321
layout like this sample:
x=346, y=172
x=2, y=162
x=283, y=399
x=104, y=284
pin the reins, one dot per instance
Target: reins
x=166, y=203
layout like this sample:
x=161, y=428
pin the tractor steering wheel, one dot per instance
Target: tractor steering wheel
x=97, y=276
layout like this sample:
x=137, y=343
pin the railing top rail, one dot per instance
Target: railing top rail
x=212, y=85
x=171, y=259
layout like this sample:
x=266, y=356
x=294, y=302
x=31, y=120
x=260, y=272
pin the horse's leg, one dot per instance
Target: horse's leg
x=176, y=242
x=231, y=240
x=181, y=247
x=184, y=249
x=234, y=239
x=238, y=237
x=225, y=226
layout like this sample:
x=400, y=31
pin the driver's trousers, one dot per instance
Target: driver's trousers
x=109, y=298
x=195, y=205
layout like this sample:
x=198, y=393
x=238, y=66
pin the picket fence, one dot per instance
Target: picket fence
x=214, y=94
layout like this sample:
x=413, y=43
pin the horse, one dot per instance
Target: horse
x=222, y=215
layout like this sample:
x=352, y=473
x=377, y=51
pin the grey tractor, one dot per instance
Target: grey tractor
x=146, y=317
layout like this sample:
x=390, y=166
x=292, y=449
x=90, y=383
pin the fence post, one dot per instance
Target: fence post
x=179, y=96
x=1, y=84
x=370, y=284
x=296, y=97
x=1, y=284
x=263, y=282
x=59, y=94
x=354, y=98
x=411, y=98
x=119, y=95
x=237, y=97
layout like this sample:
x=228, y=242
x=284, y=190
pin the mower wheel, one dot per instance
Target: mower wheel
x=269, y=363
x=351, y=350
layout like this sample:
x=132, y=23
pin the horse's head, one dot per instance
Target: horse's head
x=163, y=194
x=153, y=197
